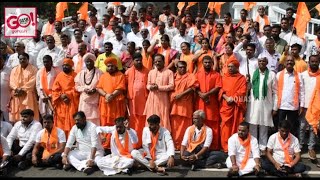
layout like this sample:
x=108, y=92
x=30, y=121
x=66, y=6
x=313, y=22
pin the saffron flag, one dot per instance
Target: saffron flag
x=60, y=8
x=217, y=7
x=211, y=6
x=302, y=19
x=180, y=7
x=191, y=4
x=318, y=8
x=116, y=3
x=83, y=10
x=249, y=5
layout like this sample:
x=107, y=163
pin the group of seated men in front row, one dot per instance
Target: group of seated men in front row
x=30, y=143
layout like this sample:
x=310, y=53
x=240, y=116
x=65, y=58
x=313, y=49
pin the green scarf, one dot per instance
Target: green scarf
x=256, y=84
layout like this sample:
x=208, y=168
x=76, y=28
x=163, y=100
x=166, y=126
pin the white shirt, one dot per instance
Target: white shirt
x=283, y=33
x=5, y=128
x=197, y=133
x=76, y=59
x=136, y=38
x=56, y=53
x=133, y=138
x=88, y=34
x=86, y=138
x=288, y=91
x=178, y=39
x=312, y=49
x=278, y=153
x=5, y=147
x=13, y=61
x=26, y=135
x=142, y=24
x=273, y=60
x=61, y=136
x=97, y=42
x=164, y=145
x=119, y=46
x=172, y=31
x=235, y=148
x=253, y=65
x=33, y=48
x=309, y=85
x=295, y=39
x=5, y=88
x=262, y=41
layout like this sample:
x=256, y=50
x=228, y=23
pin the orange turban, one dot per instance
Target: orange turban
x=234, y=61
x=111, y=60
x=68, y=61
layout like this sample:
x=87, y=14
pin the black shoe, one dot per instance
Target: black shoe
x=67, y=167
x=129, y=171
x=88, y=170
x=22, y=165
x=58, y=166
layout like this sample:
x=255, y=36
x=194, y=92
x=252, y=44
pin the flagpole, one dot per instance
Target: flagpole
x=205, y=12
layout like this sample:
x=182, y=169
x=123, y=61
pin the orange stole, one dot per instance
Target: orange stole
x=247, y=145
x=79, y=65
x=285, y=148
x=313, y=112
x=154, y=140
x=265, y=18
x=124, y=151
x=168, y=58
x=192, y=144
x=50, y=142
x=44, y=82
x=296, y=89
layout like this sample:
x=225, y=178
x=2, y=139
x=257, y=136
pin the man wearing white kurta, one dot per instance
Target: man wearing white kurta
x=243, y=152
x=261, y=105
x=158, y=147
x=271, y=54
x=89, y=148
x=49, y=72
x=123, y=140
x=248, y=62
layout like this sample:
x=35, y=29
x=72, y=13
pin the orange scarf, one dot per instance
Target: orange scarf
x=124, y=151
x=49, y=29
x=246, y=144
x=313, y=112
x=265, y=18
x=146, y=59
x=154, y=31
x=154, y=140
x=311, y=74
x=49, y=142
x=44, y=82
x=296, y=90
x=167, y=57
x=246, y=25
x=285, y=148
x=192, y=144
x=79, y=64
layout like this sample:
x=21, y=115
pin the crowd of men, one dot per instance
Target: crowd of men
x=129, y=91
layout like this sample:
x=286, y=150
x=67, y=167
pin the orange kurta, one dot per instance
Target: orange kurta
x=26, y=80
x=189, y=60
x=137, y=97
x=232, y=115
x=64, y=84
x=208, y=81
x=182, y=109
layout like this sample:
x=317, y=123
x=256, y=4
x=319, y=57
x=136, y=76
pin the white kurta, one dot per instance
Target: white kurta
x=235, y=148
x=259, y=111
x=5, y=91
x=115, y=163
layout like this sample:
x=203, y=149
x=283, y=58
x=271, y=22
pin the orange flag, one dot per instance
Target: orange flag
x=180, y=7
x=318, y=8
x=249, y=5
x=191, y=4
x=217, y=7
x=60, y=8
x=83, y=10
x=211, y=6
x=116, y=3
x=302, y=19
x=75, y=2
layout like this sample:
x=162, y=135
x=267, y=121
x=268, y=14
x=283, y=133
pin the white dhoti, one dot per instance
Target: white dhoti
x=161, y=159
x=247, y=169
x=111, y=165
x=78, y=159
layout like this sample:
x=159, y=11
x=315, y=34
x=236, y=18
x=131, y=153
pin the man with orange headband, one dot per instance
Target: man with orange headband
x=283, y=153
x=243, y=152
x=65, y=99
x=232, y=101
x=111, y=87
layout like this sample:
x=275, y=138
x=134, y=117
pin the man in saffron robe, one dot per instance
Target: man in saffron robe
x=123, y=141
x=182, y=103
x=209, y=84
x=22, y=84
x=65, y=99
x=111, y=87
x=44, y=82
x=85, y=83
x=50, y=143
x=196, y=142
x=160, y=83
x=232, y=102
x=136, y=80
x=243, y=152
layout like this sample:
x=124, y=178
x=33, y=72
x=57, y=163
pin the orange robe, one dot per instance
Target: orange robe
x=208, y=81
x=137, y=97
x=200, y=59
x=158, y=101
x=64, y=84
x=188, y=59
x=223, y=63
x=25, y=79
x=182, y=109
x=147, y=59
x=232, y=115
